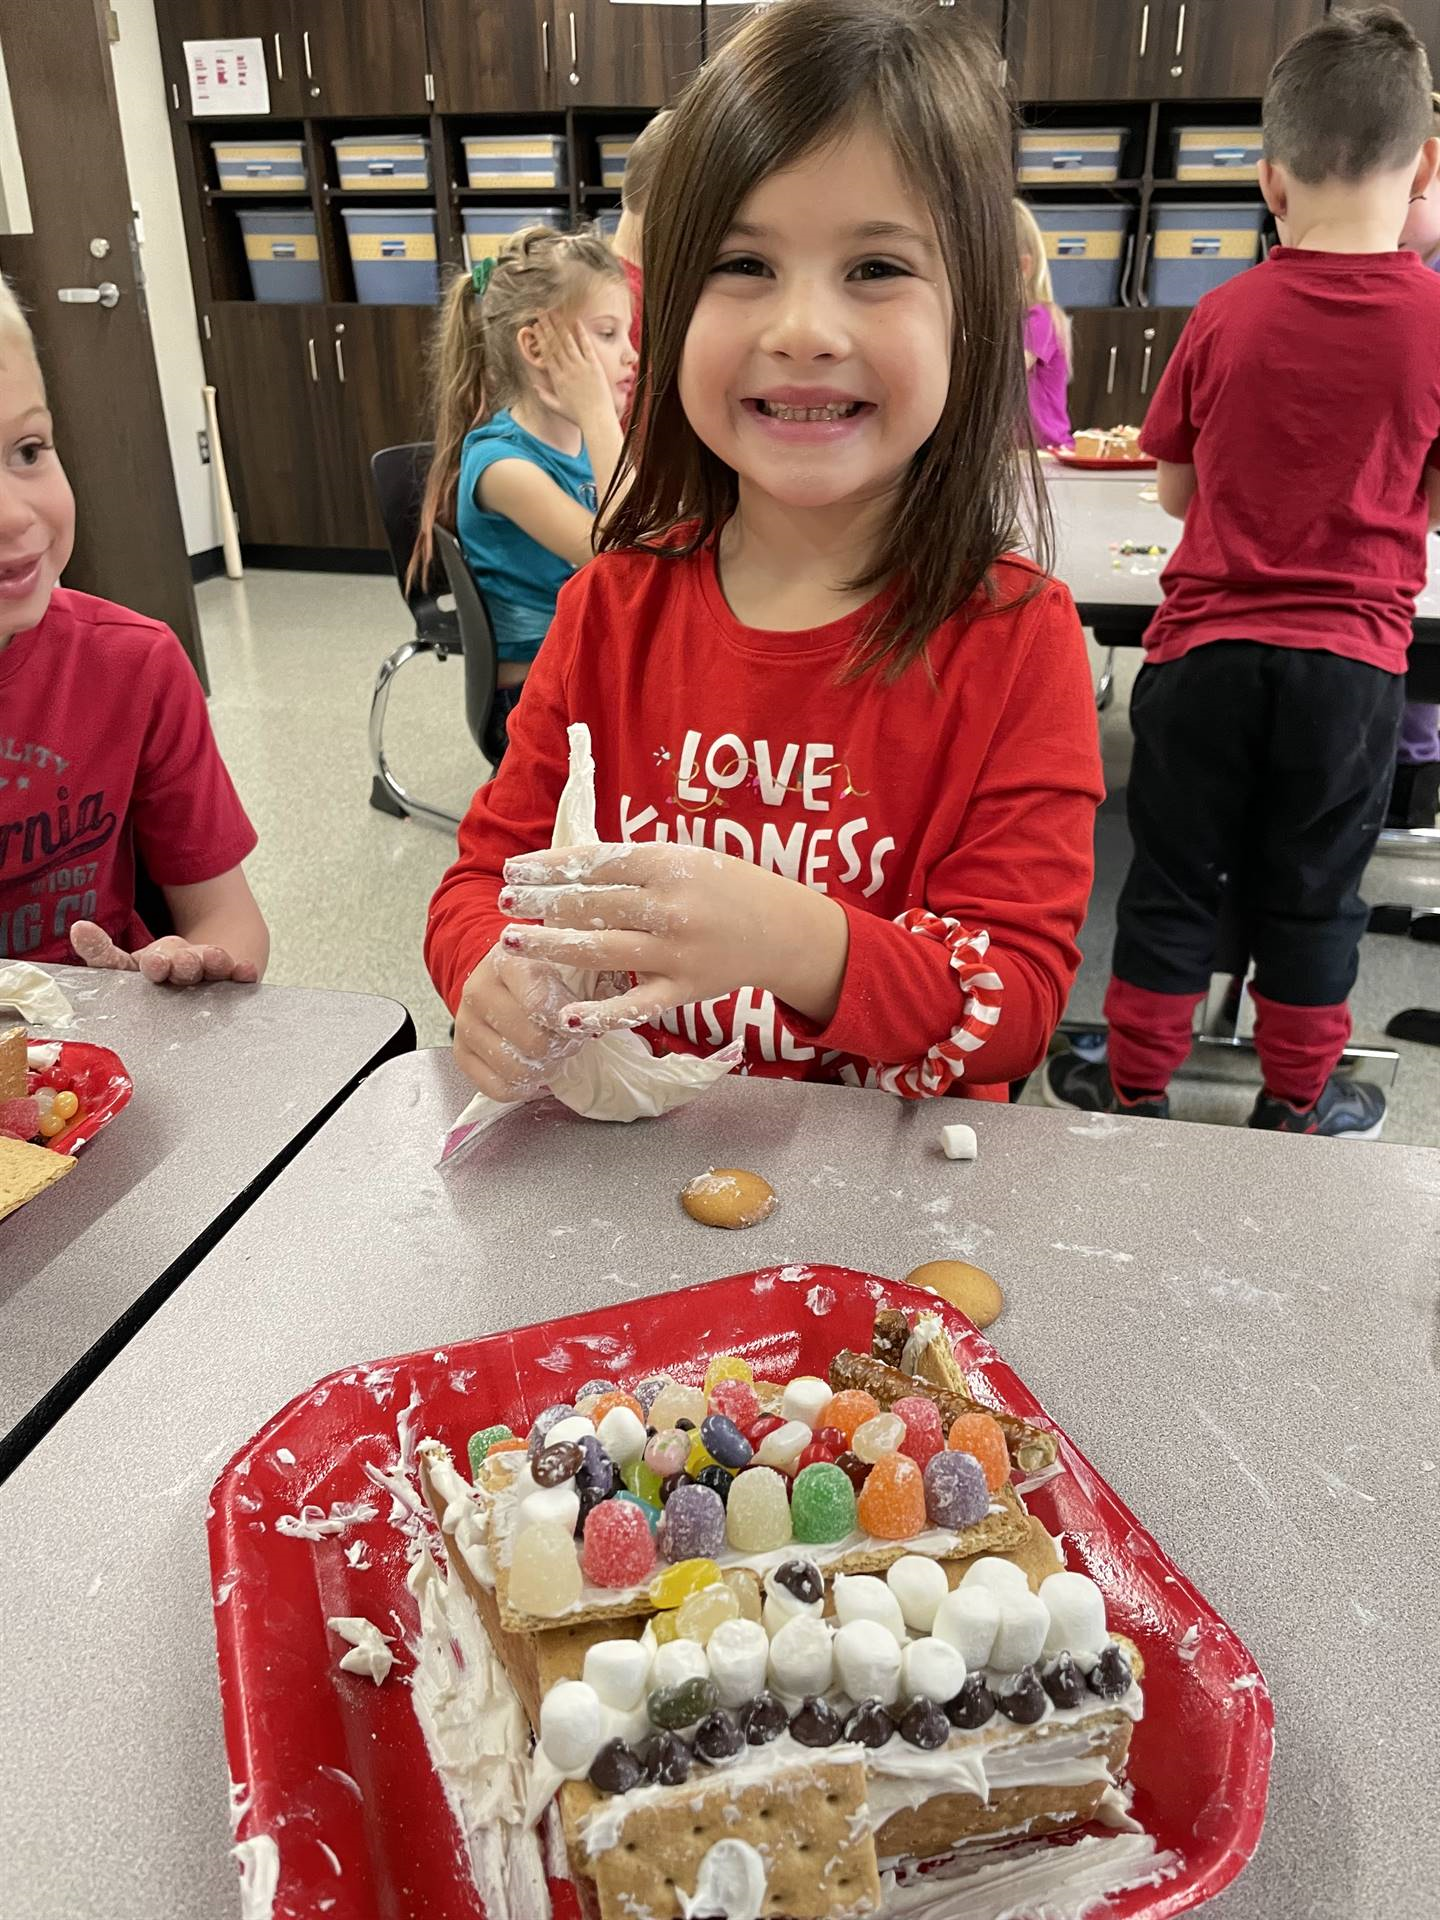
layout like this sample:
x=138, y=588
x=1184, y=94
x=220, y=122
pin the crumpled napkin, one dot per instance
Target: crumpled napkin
x=34, y=995
x=614, y=1076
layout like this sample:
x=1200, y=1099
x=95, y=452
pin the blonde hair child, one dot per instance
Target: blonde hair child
x=1047, y=336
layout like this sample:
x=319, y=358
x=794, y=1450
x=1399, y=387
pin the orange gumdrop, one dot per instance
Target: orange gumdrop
x=849, y=1410
x=892, y=1500
x=504, y=1446
x=984, y=1438
x=604, y=1403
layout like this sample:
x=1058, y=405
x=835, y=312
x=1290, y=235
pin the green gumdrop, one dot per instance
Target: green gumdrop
x=822, y=1504
x=652, y=1514
x=643, y=1482
x=671, y=1708
x=481, y=1443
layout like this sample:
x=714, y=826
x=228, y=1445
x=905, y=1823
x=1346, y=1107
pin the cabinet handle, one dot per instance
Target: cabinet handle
x=175, y=95
x=1144, y=30
x=1180, y=32
x=1110, y=372
x=340, y=359
x=314, y=370
x=574, y=57
x=279, y=59
x=305, y=43
x=1145, y=366
x=545, y=44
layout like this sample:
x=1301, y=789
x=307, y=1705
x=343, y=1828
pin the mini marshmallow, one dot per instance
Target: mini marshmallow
x=572, y=1729
x=678, y=1660
x=618, y=1670
x=919, y=1584
x=867, y=1661
x=968, y=1620
x=576, y=1427
x=861, y=1596
x=738, y=1652
x=560, y=1504
x=1077, y=1618
x=622, y=1434
x=931, y=1669
x=1024, y=1623
x=784, y=1446
x=999, y=1576
x=959, y=1142
x=801, y=1657
x=805, y=1399
x=634, y=1727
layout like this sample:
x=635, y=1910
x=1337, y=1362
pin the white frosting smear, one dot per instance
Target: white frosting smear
x=731, y=1886
x=369, y=1650
x=1038, y=1880
x=259, y=1876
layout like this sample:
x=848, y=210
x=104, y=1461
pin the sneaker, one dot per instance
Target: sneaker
x=1346, y=1110
x=1071, y=1081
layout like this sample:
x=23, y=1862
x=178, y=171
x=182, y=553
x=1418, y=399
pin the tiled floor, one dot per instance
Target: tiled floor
x=292, y=660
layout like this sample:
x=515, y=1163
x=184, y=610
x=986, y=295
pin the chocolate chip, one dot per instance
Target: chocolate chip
x=616, y=1768
x=1024, y=1700
x=763, y=1719
x=1110, y=1676
x=717, y=1737
x=972, y=1706
x=869, y=1725
x=925, y=1725
x=667, y=1761
x=1064, y=1682
x=817, y=1724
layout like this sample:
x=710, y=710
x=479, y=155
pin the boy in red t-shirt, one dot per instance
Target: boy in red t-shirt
x=1297, y=429
x=106, y=752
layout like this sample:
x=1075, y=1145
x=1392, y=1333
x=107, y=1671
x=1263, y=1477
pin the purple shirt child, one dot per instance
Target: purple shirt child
x=1048, y=379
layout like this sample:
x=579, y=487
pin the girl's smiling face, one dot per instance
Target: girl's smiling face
x=817, y=360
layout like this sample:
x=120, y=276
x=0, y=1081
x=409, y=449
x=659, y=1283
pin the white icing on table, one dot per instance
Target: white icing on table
x=259, y=1876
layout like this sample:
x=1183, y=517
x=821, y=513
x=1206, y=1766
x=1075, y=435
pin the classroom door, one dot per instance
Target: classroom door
x=78, y=274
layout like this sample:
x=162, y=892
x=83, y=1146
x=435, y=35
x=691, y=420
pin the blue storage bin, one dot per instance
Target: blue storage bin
x=283, y=254
x=614, y=156
x=486, y=227
x=1217, y=153
x=1085, y=246
x=515, y=160
x=393, y=253
x=260, y=166
x=1199, y=246
x=1068, y=153
x=384, y=163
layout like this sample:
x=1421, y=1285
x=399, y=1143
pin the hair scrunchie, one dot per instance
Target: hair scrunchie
x=480, y=276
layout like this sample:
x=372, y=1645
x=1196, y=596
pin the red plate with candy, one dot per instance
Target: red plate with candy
x=1084, y=463
x=99, y=1082
x=335, y=1770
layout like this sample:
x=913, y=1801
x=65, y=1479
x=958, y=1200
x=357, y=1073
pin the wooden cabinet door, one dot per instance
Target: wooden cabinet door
x=1083, y=49
x=287, y=448
x=363, y=56
x=609, y=55
x=380, y=369
x=1224, y=49
x=492, y=55
x=273, y=21
x=1120, y=354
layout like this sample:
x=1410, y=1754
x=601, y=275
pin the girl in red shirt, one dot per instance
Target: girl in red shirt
x=845, y=741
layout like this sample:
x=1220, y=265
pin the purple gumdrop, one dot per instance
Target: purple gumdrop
x=955, y=1491
x=552, y=1416
x=648, y=1390
x=596, y=1472
x=692, y=1525
x=593, y=1388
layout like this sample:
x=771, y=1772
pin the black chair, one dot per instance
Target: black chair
x=477, y=636
x=399, y=475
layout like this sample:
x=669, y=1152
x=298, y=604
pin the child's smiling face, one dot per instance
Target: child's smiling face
x=817, y=360
x=37, y=508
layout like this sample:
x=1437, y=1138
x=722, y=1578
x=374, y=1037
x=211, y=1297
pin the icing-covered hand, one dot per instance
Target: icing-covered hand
x=170, y=961
x=687, y=923
x=509, y=1034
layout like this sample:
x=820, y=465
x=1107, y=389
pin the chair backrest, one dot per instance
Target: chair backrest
x=477, y=636
x=399, y=474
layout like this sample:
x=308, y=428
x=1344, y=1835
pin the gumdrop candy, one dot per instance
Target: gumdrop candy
x=482, y=1442
x=692, y=1524
x=618, y=1550
x=822, y=1504
x=648, y=1390
x=607, y=1403
x=676, y=1583
x=20, y=1118
x=746, y=1589
x=545, y=1572
x=977, y=1434
x=549, y=1417
x=725, y=1443
x=892, y=1502
x=737, y=1400
x=651, y=1513
x=849, y=1410
x=675, y=1403
x=703, y=1612
x=955, y=1491
x=924, y=1429
x=727, y=1366
x=876, y=1437
x=592, y=1390
x=672, y=1708
x=757, y=1517
x=506, y=1446
x=667, y=1452
x=642, y=1481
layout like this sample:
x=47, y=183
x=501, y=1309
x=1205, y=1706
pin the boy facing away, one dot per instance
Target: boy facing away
x=1297, y=430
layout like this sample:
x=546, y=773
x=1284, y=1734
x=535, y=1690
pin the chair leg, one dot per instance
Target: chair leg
x=385, y=787
x=1105, y=689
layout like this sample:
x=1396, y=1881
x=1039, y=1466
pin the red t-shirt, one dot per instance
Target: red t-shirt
x=971, y=795
x=1306, y=392
x=105, y=747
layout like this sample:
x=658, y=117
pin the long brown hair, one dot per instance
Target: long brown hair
x=476, y=366
x=798, y=76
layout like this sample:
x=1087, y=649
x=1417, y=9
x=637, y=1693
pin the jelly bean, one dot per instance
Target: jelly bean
x=676, y=1583
x=66, y=1105
x=651, y=1513
x=746, y=1589
x=703, y=1612
x=718, y=1479
x=667, y=1452
x=698, y=1458
x=874, y=1438
x=724, y=1442
x=642, y=1481
x=556, y=1464
x=766, y=1423
x=855, y=1470
x=672, y=1708
x=51, y=1125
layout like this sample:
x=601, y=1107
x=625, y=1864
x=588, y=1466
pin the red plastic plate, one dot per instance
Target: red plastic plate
x=100, y=1081
x=334, y=1768
x=1086, y=465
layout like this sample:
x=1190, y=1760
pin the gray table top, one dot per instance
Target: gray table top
x=1238, y=1329
x=227, y=1081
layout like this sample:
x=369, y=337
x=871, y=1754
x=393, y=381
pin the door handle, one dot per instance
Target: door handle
x=574, y=56
x=305, y=44
x=107, y=294
x=545, y=44
x=1180, y=32
x=1146, y=362
x=314, y=370
x=1110, y=372
x=1144, y=30
x=340, y=355
x=279, y=59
